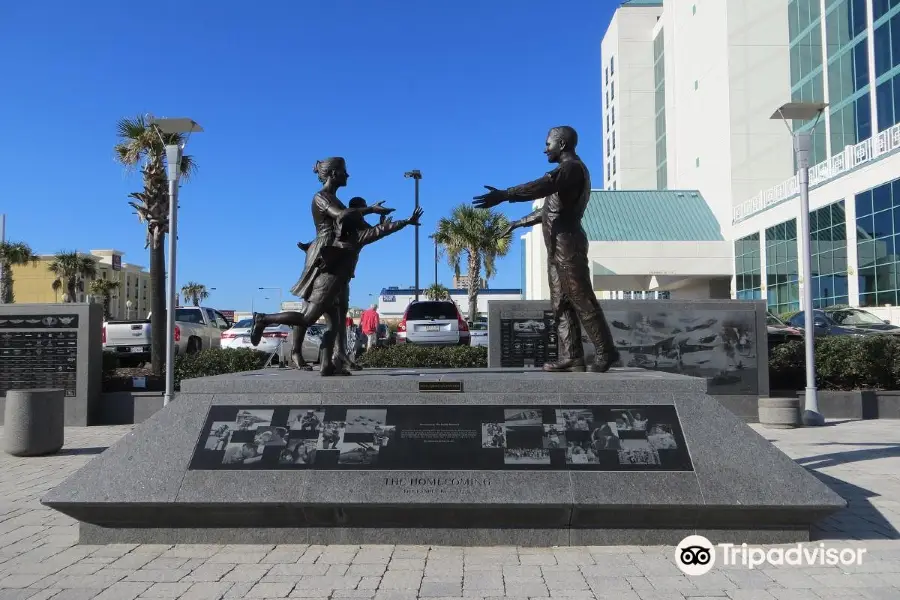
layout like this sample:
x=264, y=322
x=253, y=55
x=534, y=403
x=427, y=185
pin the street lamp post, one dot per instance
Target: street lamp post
x=278, y=289
x=805, y=111
x=416, y=175
x=2, y=273
x=174, y=153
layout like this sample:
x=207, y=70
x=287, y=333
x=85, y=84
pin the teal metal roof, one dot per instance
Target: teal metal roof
x=642, y=3
x=650, y=216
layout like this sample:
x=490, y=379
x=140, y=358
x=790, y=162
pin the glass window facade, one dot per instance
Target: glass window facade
x=782, y=287
x=850, y=111
x=747, y=268
x=887, y=67
x=881, y=7
x=828, y=237
x=877, y=230
x=659, y=75
x=806, y=56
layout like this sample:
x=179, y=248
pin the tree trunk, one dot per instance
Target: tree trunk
x=6, y=286
x=474, y=271
x=5, y=270
x=70, y=290
x=107, y=300
x=158, y=307
x=196, y=301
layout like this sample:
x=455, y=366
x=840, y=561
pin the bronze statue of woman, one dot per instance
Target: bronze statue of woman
x=328, y=267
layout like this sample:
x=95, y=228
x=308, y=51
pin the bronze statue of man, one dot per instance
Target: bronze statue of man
x=567, y=190
x=330, y=261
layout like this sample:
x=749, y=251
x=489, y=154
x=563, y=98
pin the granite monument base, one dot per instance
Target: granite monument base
x=461, y=457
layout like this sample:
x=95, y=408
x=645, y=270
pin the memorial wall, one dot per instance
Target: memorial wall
x=723, y=341
x=54, y=346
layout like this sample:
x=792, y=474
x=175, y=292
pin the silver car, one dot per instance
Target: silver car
x=433, y=323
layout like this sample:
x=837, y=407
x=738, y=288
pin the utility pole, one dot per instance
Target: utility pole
x=416, y=175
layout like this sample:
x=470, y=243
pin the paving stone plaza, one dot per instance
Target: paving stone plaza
x=40, y=558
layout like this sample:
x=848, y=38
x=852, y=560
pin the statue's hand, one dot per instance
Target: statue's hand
x=491, y=199
x=380, y=209
x=416, y=215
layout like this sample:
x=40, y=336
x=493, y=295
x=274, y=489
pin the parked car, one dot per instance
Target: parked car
x=278, y=339
x=479, y=333
x=196, y=328
x=779, y=332
x=433, y=323
x=845, y=321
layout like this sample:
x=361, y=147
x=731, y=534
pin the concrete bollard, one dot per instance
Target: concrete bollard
x=33, y=422
x=779, y=413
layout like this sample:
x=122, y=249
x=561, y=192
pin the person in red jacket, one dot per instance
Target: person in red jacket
x=369, y=322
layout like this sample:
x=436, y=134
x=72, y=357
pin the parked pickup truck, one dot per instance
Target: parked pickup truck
x=196, y=328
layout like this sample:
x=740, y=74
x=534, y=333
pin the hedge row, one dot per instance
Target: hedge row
x=842, y=362
x=408, y=356
x=217, y=361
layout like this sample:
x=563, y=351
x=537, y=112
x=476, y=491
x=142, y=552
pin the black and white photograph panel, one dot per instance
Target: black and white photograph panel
x=300, y=451
x=332, y=435
x=518, y=417
x=357, y=453
x=365, y=420
x=581, y=453
x=271, y=436
x=251, y=419
x=638, y=452
x=218, y=435
x=662, y=437
x=630, y=420
x=242, y=454
x=581, y=419
x=383, y=435
x=606, y=437
x=306, y=419
x=493, y=435
x=526, y=456
x=554, y=437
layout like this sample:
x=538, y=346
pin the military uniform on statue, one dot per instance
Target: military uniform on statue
x=330, y=262
x=566, y=191
x=355, y=232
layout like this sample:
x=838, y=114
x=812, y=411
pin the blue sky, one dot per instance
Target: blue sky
x=463, y=91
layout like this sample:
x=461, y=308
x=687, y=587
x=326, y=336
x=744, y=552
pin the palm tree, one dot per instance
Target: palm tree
x=477, y=233
x=71, y=270
x=436, y=291
x=142, y=144
x=195, y=292
x=104, y=288
x=12, y=254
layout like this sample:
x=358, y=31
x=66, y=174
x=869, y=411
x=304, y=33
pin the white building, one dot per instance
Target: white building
x=720, y=69
x=643, y=244
x=392, y=301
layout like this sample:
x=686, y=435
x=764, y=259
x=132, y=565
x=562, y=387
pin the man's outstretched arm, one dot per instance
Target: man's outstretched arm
x=527, y=221
x=533, y=190
x=376, y=232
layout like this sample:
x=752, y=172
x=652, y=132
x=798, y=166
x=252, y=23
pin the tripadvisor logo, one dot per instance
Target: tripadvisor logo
x=696, y=555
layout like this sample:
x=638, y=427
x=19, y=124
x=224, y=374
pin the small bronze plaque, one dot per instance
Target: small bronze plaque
x=440, y=386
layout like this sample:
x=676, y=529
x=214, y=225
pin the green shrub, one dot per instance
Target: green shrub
x=217, y=361
x=842, y=363
x=408, y=356
x=110, y=361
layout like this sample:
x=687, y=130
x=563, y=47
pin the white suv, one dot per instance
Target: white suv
x=433, y=323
